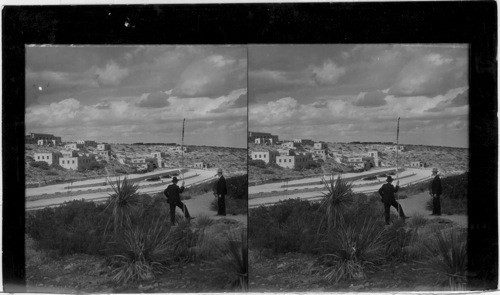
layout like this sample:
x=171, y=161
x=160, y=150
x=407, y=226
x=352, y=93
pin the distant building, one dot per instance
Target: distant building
x=395, y=148
x=103, y=147
x=417, y=164
x=201, y=165
x=261, y=140
x=264, y=137
x=266, y=156
x=138, y=161
x=181, y=148
x=320, y=145
x=303, y=141
x=106, y=154
x=69, y=153
x=286, y=152
x=75, y=163
x=359, y=162
x=297, y=161
x=73, y=146
x=33, y=138
x=289, y=145
x=49, y=158
x=321, y=153
x=90, y=143
x=158, y=156
x=374, y=155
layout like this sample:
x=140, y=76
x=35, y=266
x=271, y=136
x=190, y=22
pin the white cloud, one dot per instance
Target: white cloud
x=112, y=74
x=328, y=73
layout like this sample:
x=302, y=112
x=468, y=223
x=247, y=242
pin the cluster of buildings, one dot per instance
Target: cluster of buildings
x=72, y=158
x=42, y=139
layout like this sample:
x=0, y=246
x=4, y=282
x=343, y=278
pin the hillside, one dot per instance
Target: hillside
x=229, y=159
x=447, y=159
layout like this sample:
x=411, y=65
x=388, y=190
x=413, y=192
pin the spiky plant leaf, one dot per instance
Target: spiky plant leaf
x=336, y=200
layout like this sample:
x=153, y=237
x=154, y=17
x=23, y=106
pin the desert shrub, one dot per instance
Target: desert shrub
x=95, y=166
x=337, y=198
x=40, y=164
x=398, y=237
x=290, y=225
x=370, y=178
x=233, y=260
x=237, y=186
x=143, y=250
x=203, y=221
x=122, y=203
x=448, y=252
x=120, y=171
x=52, y=173
x=353, y=248
x=257, y=163
x=74, y=227
x=267, y=171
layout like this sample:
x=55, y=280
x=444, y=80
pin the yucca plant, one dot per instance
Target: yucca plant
x=123, y=202
x=353, y=247
x=449, y=251
x=234, y=260
x=336, y=200
x=143, y=250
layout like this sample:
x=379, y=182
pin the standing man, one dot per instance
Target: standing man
x=387, y=192
x=221, y=192
x=173, y=194
x=436, y=190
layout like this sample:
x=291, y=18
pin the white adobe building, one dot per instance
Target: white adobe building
x=73, y=146
x=105, y=154
x=75, y=163
x=291, y=162
x=374, y=155
x=320, y=145
x=69, y=153
x=266, y=156
x=286, y=152
x=289, y=145
x=417, y=164
x=321, y=153
x=87, y=143
x=49, y=158
x=103, y=147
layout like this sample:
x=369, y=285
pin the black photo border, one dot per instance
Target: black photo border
x=473, y=23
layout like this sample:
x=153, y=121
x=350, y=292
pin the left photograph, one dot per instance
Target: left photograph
x=136, y=169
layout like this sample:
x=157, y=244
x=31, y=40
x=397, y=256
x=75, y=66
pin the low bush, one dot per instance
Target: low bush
x=52, y=173
x=40, y=164
x=290, y=225
x=257, y=163
x=75, y=227
x=267, y=171
x=370, y=178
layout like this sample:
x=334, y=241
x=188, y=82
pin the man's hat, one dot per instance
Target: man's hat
x=435, y=170
x=175, y=180
x=389, y=179
x=219, y=170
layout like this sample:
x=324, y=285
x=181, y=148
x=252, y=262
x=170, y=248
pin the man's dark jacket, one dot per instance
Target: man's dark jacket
x=387, y=192
x=436, y=188
x=221, y=186
x=172, y=192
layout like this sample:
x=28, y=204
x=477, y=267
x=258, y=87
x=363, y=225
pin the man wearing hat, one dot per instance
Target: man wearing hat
x=173, y=194
x=436, y=190
x=387, y=192
x=221, y=192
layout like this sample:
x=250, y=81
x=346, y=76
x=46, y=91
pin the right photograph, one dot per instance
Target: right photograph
x=358, y=163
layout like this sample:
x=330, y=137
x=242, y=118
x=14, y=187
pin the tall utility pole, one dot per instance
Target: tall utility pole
x=182, y=147
x=397, y=167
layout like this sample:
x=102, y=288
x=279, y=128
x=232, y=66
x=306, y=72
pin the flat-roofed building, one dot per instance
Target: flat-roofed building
x=294, y=162
x=90, y=143
x=374, y=155
x=286, y=152
x=158, y=156
x=417, y=164
x=49, y=158
x=321, y=153
x=106, y=154
x=266, y=156
x=69, y=153
x=303, y=141
x=73, y=146
x=75, y=163
x=103, y=147
x=201, y=165
x=289, y=145
x=320, y=145
x=138, y=161
x=266, y=137
x=181, y=149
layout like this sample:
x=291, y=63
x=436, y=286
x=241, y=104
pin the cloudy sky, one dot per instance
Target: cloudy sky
x=342, y=93
x=128, y=94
